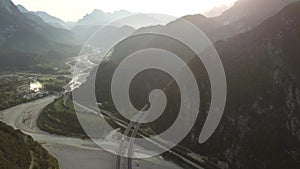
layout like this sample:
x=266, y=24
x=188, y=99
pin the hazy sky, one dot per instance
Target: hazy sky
x=72, y=10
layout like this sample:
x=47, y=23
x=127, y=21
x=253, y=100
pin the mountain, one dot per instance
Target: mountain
x=98, y=17
x=135, y=20
x=19, y=151
x=20, y=32
x=22, y=9
x=56, y=22
x=103, y=37
x=261, y=123
x=83, y=32
x=29, y=36
x=260, y=127
x=241, y=17
x=217, y=11
x=51, y=20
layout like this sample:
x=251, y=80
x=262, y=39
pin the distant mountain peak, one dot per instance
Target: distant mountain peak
x=54, y=21
x=122, y=12
x=241, y=17
x=22, y=9
x=100, y=12
x=99, y=17
x=42, y=12
x=97, y=11
x=218, y=10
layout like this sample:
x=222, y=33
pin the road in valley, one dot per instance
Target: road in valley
x=72, y=153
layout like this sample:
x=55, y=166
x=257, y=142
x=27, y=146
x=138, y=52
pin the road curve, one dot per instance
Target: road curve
x=72, y=153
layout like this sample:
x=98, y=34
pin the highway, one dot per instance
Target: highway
x=134, y=126
x=72, y=153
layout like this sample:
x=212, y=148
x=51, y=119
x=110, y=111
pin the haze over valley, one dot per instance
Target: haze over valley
x=65, y=99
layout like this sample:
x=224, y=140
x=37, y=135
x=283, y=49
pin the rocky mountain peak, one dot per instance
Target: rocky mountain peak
x=22, y=9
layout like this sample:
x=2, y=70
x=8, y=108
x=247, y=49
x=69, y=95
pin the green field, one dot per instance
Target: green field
x=54, y=83
x=61, y=119
x=58, y=119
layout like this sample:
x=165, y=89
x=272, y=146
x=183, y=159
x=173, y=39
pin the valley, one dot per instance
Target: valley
x=66, y=149
x=59, y=108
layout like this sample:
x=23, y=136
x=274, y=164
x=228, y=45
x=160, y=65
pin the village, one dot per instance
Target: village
x=23, y=87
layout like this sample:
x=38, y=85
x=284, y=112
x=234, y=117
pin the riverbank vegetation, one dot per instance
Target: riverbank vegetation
x=60, y=119
x=19, y=151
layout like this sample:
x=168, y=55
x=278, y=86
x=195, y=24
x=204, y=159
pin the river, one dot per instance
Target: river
x=72, y=153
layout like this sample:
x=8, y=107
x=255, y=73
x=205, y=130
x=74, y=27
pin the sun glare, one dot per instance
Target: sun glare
x=35, y=86
x=77, y=9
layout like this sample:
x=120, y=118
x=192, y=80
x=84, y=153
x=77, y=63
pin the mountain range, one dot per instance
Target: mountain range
x=217, y=11
x=54, y=21
x=261, y=128
x=29, y=33
x=241, y=17
x=233, y=21
x=98, y=17
x=41, y=38
x=261, y=123
x=26, y=40
x=258, y=43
